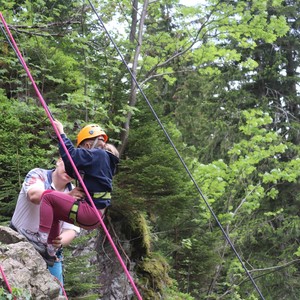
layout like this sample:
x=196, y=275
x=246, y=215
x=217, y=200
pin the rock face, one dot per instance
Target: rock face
x=113, y=282
x=24, y=268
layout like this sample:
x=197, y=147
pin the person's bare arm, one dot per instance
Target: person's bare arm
x=34, y=195
x=65, y=238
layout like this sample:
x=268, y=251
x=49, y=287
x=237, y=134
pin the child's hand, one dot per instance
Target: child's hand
x=59, y=126
x=77, y=193
x=57, y=242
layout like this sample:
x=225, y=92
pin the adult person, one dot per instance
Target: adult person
x=97, y=166
x=27, y=211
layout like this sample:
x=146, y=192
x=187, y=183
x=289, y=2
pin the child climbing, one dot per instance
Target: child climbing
x=96, y=161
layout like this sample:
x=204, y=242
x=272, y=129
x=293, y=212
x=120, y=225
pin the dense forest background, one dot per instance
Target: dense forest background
x=215, y=143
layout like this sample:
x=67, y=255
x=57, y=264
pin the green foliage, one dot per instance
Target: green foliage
x=171, y=294
x=80, y=273
x=244, y=187
x=16, y=294
x=222, y=77
x=25, y=144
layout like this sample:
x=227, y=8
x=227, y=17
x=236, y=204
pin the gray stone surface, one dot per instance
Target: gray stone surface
x=24, y=268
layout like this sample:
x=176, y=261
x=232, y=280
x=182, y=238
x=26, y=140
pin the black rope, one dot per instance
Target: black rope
x=10, y=43
x=175, y=149
x=20, y=60
x=169, y=139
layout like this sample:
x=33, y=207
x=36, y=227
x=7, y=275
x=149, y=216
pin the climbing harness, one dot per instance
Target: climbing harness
x=48, y=113
x=102, y=196
x=74, y=211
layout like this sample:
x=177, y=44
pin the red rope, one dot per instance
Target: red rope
x=10, y=290
x=70, y=158
x=6, y=281
x=62, y=287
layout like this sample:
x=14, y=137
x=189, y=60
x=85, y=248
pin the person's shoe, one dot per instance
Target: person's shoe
x=34, y=239
x=51, y=250
x=50, y=260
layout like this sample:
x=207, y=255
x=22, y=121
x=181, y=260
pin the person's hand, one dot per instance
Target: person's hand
x=59, y=126
x=77, y=193
x=57, y=242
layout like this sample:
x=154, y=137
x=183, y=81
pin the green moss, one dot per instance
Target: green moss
x=154, y=275
x=152, y=268
x=157, y=266
x=135, y=227
x=139, y=223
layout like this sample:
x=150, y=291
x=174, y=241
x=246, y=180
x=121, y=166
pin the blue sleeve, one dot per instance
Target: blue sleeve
x=80, y=156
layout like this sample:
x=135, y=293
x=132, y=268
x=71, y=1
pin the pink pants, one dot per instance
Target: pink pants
x=56, y=206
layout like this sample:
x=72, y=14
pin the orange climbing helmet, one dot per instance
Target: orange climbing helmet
x=90, y=131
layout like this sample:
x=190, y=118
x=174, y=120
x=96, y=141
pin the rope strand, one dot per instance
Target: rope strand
x=69, y=157
x=62, y=287
x=177, y=152
x=170, y=141
x=6, y=281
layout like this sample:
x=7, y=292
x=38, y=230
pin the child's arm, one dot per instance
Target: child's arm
x=67, y=142
x=81, y=157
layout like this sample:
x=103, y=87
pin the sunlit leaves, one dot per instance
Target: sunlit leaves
x=221, y=181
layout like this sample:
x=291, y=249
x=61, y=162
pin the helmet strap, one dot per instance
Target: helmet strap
x=95, y=143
